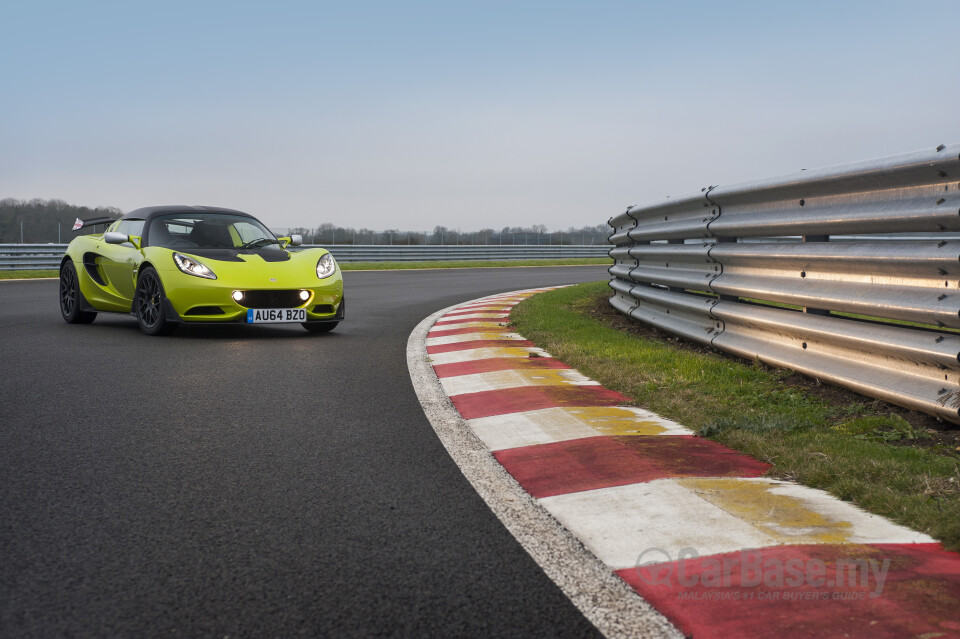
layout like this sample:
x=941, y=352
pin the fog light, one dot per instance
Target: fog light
x=304, y=295
x=238, y=295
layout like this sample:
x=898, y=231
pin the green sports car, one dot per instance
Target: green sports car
x=168, y=265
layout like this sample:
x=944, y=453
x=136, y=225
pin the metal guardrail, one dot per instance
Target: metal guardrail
x=17, y=257
x=431, y=253
x=48, y=256
x=717, y=267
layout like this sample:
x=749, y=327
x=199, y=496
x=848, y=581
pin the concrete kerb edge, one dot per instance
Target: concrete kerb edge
x=605, y=600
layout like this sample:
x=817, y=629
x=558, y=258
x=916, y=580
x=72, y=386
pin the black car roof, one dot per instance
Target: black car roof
x=148, y=212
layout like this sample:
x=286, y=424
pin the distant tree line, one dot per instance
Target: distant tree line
x=42, y=221
x=330, y=234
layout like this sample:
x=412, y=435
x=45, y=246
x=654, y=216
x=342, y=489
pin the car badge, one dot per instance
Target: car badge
x=273, y=279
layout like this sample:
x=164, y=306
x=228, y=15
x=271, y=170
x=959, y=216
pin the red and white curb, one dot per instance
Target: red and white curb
x=690, y=525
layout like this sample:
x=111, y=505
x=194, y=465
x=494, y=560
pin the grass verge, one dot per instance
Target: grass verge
x=28, y=275
x=380, y=266
x=887, y=460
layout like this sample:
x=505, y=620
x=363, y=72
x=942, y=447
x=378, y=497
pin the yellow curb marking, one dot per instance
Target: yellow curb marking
x=489, y=334
x=788, y=519
x=501, y=351
x=494, y=324
x=612, y=421
x=486, y=352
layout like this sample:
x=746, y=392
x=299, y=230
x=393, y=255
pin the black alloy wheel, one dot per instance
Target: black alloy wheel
x=149, y=304
x=71, y=306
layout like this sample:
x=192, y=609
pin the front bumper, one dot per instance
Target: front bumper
x=212, y=300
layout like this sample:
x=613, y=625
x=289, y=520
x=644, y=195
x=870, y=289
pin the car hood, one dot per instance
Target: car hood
x=253, y=267
x=241, y=255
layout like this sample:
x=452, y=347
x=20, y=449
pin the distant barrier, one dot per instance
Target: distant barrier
x=21, y=257
x=48, y=256
x=819, y=272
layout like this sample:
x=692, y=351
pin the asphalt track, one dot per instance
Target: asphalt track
x=249, y=481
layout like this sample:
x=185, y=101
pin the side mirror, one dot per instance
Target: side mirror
x=112, y=237
x=296, y=240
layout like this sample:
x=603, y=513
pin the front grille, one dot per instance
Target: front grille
x=271, y=299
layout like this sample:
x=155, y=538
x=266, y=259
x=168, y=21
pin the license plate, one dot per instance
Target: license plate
x=275, y=315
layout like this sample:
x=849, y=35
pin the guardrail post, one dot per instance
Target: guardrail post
x=676, y=289
x=814, y=238
x=722, y=297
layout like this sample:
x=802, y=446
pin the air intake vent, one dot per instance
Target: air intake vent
x=90, y=264
x=205, y=310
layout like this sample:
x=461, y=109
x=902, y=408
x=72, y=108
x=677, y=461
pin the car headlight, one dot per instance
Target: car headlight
x=191, y=266
x=326, y=266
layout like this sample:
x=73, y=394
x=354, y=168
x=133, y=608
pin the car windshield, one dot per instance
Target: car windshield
x=209, y=231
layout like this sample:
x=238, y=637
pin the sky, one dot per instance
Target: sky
x=409, y=115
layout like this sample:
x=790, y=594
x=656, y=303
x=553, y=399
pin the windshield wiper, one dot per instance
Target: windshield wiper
x=260, y=241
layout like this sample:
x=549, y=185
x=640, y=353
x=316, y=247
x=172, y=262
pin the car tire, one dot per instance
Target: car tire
x=71, y=299
x=149, y=304
x=316, y=327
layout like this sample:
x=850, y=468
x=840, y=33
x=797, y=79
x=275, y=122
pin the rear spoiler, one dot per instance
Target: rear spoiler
x=82, y=224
